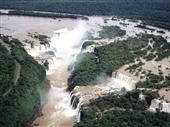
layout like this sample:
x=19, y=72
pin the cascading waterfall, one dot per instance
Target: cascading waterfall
x=62, y=108
x=124, y=81
x=117, y=82
x=160, y=105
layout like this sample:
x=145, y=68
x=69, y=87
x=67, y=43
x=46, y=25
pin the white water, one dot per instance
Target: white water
x=59, y=111
x=124, y=81
x=67, y=44
x=117, y=82
x=161, y=105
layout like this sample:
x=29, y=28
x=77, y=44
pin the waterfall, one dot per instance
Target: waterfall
x=119, y=81
x=62, y=107
x=166, y=107
x=160, y=105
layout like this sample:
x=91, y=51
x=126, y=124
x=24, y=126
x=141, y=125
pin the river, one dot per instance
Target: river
x=66, y=44
x=66, y=38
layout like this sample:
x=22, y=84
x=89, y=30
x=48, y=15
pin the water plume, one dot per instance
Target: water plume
x=68, y=43
x=62, y=108
x=117, y=82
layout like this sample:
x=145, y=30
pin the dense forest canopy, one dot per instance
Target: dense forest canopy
x=96, y=6
x=21, y=78
x=155, y=12
x=121, y=110
x=106, y=59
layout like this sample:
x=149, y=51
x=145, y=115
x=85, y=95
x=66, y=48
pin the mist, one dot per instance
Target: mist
x=117, y=83
x=66, y=45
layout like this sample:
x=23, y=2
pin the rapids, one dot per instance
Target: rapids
x=62, y=108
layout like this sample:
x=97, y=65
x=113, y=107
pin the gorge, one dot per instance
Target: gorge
x=63, y=107
x=110, y=45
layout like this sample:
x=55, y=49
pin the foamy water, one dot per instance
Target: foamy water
x=59, y=110
x=65, y=44
x=116, y=83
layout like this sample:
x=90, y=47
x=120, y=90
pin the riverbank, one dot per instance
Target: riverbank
x=66, y=37
x=153, y=12
x=41, y=14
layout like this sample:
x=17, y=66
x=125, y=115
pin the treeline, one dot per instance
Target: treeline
x=111, y=32
x=124, y=109
x=154, y=12
x=19, y=92
x=155, y=81
x=45, y=15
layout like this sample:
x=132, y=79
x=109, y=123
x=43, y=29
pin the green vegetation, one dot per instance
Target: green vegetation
x=45, y=15
x=81, y=74
x=104, y=60
x=108, y=58
x=154, y=81
x=121, y=110
x=159, y=45
x=90, y=65
x=7, y=66
x=150, y=56
x=18, y=101
x=154, y=12
x=133, y=68
x=111, y=31
x=87, y=43
x=151, y=94
x=44, y=40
